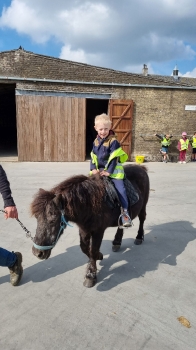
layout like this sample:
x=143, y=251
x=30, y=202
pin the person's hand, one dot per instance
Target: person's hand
x=11, y=212
x=104, y=173
x=95, y=171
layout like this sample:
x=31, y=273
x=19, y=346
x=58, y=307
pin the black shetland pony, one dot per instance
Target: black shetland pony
x=81, y=199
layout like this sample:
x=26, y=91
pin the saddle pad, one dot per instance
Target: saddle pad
x=132, y=194
x=112, y=197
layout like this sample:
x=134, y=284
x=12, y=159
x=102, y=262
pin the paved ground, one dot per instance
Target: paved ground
x=141, y=290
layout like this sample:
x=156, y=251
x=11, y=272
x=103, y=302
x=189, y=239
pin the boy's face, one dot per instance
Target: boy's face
x=102, y=130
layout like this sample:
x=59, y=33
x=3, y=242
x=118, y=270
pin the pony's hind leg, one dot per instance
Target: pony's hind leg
x=140, y=235
x=95, y=254
x=116, y=244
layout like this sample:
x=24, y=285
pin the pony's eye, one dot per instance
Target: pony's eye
x=52, y=219
x=52, y=223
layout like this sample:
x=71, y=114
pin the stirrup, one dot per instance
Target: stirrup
x=120, y=225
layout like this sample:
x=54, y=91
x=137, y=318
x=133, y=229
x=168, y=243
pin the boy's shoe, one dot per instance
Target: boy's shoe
x=16, y=271
x=184, y=162
x=126, y=220
x=180, y=162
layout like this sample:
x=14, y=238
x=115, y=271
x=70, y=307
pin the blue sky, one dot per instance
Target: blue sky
x=121, y=35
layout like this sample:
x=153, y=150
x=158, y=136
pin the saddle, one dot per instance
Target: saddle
x=111, y=197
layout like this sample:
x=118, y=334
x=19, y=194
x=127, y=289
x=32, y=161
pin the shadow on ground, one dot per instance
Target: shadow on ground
x=163, y=244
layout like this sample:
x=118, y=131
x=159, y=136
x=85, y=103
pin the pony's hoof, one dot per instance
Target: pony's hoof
x=100, y=256
x=116, y=247
x=89, y=282
x=138, y=241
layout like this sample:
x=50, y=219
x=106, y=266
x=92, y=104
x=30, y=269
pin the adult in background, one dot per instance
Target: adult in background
x=10, y=259
x=165, y=143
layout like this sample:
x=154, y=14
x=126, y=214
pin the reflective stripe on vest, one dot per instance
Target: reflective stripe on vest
x=118, y=153
x=118, y=172
x=165, y=142
x=184, y=144
x=94, y=159
x=194, y=142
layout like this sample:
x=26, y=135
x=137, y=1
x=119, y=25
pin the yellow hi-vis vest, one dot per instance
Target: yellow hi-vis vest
x=165, y=142
x=194, y=142
x=119, y=170
x=184, y=144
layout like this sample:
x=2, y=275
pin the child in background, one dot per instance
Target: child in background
x=165, y=143
x=193, y=144
x=183, y=145
x=106, y=159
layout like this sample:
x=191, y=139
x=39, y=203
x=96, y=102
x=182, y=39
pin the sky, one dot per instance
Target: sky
x=118, y=34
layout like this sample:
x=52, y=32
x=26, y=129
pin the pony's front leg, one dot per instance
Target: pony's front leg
x=95, y=254
x=85, y=242
x=116, y=244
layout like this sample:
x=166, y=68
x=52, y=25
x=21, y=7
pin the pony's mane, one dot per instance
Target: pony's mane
x=79, y=190
x=41, y=199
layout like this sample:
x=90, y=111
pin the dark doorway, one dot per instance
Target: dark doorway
x=8, y=129
x=93, y=108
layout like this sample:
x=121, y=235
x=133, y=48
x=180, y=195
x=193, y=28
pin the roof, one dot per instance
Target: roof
x=26, y=64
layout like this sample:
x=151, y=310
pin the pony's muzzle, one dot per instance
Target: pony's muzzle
x=41, y=254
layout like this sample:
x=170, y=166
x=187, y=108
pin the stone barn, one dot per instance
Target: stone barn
x=48, y=105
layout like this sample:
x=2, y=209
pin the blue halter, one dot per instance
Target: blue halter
x=63, y=224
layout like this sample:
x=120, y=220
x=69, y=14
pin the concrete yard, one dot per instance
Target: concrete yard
x=141, y=290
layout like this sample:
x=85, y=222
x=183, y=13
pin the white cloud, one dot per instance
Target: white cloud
x=68, y=54
x=190, y=74
x=108, y=33
x=77, y=55
x=25, y=20
x=86, y=20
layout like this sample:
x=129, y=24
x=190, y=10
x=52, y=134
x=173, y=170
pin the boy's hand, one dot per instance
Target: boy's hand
x=104, y=173
x=11, y=212
x=95, y=171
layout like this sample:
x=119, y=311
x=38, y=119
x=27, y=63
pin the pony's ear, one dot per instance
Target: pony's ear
x=58, y=200
x=41, y=190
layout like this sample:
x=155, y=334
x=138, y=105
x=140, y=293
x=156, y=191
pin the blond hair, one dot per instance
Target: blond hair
x=102, y=118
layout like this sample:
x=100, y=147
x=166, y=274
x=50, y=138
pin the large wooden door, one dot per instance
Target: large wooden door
x=51, y=128
x=121, y=115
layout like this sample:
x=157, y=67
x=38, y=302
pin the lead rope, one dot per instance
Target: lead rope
x=28, y=233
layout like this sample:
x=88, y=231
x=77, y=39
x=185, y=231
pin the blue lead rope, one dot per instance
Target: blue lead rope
x=63, y=224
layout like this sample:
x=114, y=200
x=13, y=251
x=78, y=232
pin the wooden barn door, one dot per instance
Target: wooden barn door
x=51, y=128
x=121, y=115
